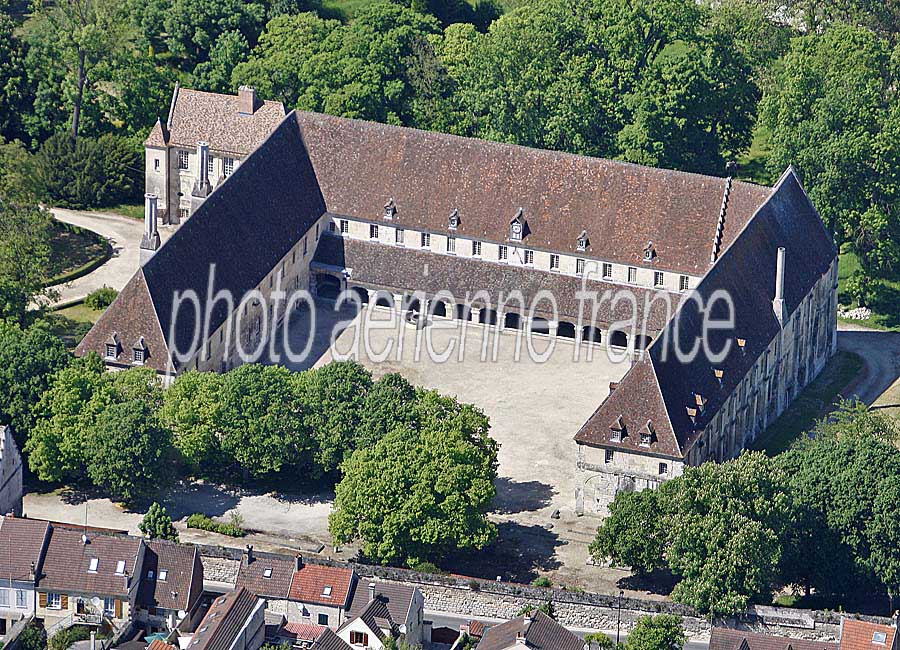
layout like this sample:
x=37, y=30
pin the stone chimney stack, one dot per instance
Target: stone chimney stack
x=202, y=186
x=150, y=238
x=247, y=100
x=373, y=591
x=298, y=562
x=778, y=303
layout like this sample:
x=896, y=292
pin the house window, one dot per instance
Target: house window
x=607, y=270
x=138, y=356
x=93, y=564
x=682, y=283
x=267, y=572
x=373, y=231
x=663, y=468
x=326, y=591
x=476, y=249
x=645, y=440
x=615, y=435
x=632, y=274
x=150, y=574
x=163, y=575
x=323, y=619
x=317, y=232
x=21, y=599
x=658, y=279
x=54, y=601
x=184, y=213
x=345, y=226
x=111, y=351
x=304, y=253
x=554, y=262
x=451, y=244
x=156, y=164
x=210, y=166
x=529, y=257
x=579, y=266
x=426, y=240
x=120, y=568
x=359, y=638
x=332, y=227
x=109, y=606
x=502, y=253
x=182, y=159
x=227, y=166
x=398, y=235
x=608, y=457
x=4, y=598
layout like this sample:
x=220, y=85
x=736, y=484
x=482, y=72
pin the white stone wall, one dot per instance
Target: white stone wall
x=11, y=489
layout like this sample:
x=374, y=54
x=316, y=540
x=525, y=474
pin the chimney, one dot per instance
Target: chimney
x=372, y=591
x=33, y=572
x=93, y=640
x=249, y=552
x=298, y=562
x=246, y=100
x=150, y=238
x=778, y=302
x=202, y=186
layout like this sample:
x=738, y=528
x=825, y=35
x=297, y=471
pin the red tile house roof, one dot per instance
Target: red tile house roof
x=21, y=547
x=726, y=639
x=322, y=585
x=69, y=564
x=863, y=635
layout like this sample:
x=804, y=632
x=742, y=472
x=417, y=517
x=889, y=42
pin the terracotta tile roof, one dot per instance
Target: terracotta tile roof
x=159, y=644
x=196, y=115
x=726, y=639
x=172, y=577
x=266, y=575
x=863, y=635
x=302, y=631
x=67, y=565
x=21, y=543
x=225, y=618
x=361, y=165
x=320, y=584
x=477, y=628
x=540, y=632
x=396, y=597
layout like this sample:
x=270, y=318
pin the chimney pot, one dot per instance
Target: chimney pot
x=247, y=100
x=249, y=553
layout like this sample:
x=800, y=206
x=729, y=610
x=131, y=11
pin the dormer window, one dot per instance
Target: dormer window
x=742, y=345
x=700, y=401
x=692, y=414
x=139, y=352
x=390, y=209
x=453, y=221
x=112, y=347
x=647, y=434
x=879, y=638
x=618, y=430
x=720, y=374
x=649, y=252
x=583, y=241
x=517, y=226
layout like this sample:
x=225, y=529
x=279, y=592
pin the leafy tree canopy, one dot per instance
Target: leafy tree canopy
x=157, y=524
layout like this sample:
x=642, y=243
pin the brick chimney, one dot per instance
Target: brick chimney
x=150, y=238
x=778, y=303
x=247, y=100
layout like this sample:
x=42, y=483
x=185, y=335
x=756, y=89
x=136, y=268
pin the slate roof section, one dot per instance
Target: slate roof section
x=266, y=575
x=330, y=641
x=67, y=563
x=540, y=632
x=726, y=639
x=21, y=543
x=158, y=136
x=321, y=584
x=863, y=635
x=746, y=272
x=183, y=582
x=396, y=597
x=361, y=165
x=225, y=619
x=405, y=269
x=196, y=115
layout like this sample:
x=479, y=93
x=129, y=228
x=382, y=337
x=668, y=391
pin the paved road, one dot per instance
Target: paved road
x=123, y=234
x=881, y=352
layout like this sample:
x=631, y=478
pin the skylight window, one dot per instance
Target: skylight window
x=267, y=572
x=326, y=591
x=120, y=568
x=163, y=575
x=92, y=566
x=879, y=637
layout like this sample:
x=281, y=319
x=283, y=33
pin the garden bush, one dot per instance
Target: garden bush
x=100, y=299
x=202, y=522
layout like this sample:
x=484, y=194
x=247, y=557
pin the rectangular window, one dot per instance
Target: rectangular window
x=476, y=249
x=184, y=213
x=210, y=166
x=156, y=164
x=608, y=456
x=607, y=270
x=554, y=262
x=615, y=435
x=93, y=565
x=109, y=607
x=373, y=231
x=305, y=249
x=502, y=253
x=345, y=226
x=398, y=235
x=426, y=240
x=683, y=283
x=663, y=468
x=21, y=599
x=120, y=568
x=111, y=351
x=183, y=159
x=359, y=638
x=529, y=257
x=579, y=266
x=645, y=440
x=4, y=598
x=323, y=619
x=658, y=279
x=163, y=575
x=317, y=232
x=332, y=227
x=54, y=601
x=451, y=244
x=138, y=356
x=227, y=166
x=632, y=274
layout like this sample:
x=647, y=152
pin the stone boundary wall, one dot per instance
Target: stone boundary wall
x=488, y=599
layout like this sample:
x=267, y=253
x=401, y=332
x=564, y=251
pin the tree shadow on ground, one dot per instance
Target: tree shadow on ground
x=660, y=582
x=520, y=554
x=521, y=496
x=212, y=500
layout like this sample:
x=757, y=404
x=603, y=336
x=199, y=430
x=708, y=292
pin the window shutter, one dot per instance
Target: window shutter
x=42, y=599
x=118, y=608
x=64, y=601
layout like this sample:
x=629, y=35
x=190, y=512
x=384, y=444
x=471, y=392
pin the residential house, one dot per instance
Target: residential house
x=379, y=610
x=866, y=635
x=10, y=474
x=87, y=577
x=536, y=631
x=22, y=543
x=726, y=639
x=235, y=621
x=171, y=585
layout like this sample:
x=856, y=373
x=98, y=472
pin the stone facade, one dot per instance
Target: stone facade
x=11, y=489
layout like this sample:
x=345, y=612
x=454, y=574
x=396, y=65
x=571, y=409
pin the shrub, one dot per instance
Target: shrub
x=202, y=522
x=100, y=299
x=426, y=567
x=541, y=581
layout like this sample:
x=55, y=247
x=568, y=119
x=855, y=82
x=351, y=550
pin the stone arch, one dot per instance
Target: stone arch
x=618, y=339
x=539, y=325
x=642, y=341
x=512, y=320
x=591, y=334
x=439, y=308
x=488, y=316
x=565, y=329
x=384, y=299
x=362, y=294
x=461, y=312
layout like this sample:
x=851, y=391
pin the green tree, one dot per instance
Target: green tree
x=389, y=403
x=194, y=26
x=545, y=607
x=662, y=632
x=157, y=524
x=600, y=641
x=24, y=258
x=634, y=534
x=15, y=90
x=128, y=452
x=214, y=75
x=421, y=493
x=853, y=417
x=192, y=411
x=17, y=181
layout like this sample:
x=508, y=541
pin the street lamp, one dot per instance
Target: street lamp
x=619, y=616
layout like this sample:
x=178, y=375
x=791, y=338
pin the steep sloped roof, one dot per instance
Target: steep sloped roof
x=183, y=575
x=726, y=639
x=538, y=631
x=324, y=585
x=266, y=575
x=21, y=543
x=225, y=619
x=68, y=563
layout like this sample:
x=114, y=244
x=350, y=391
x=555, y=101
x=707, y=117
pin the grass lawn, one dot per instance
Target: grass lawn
x=752, y=165
x=73, y=250
x=72, y=323
x=885, y=303
x=132, y=211
x=812, y=404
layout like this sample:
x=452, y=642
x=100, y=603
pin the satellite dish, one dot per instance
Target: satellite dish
x=181, y=614
x=97, y=603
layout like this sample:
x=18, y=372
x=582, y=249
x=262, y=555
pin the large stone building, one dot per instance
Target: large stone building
x=10, y=474
x=406, y=217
